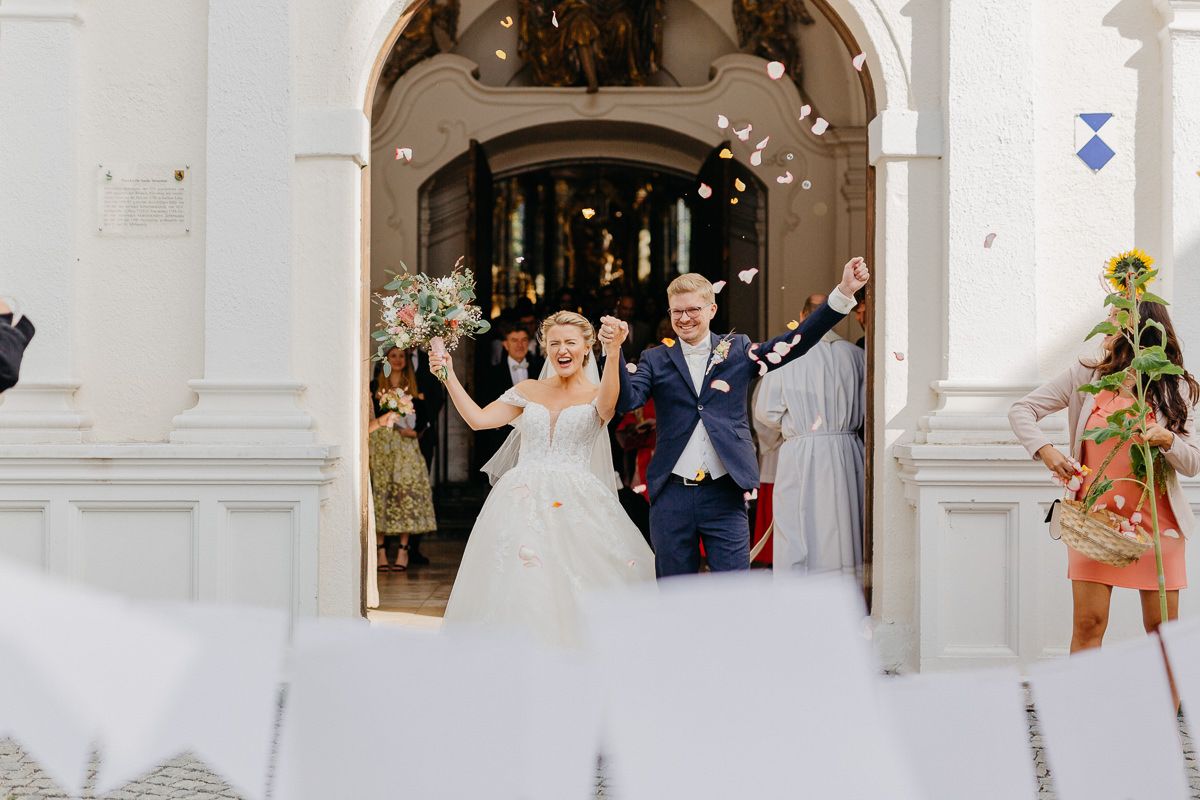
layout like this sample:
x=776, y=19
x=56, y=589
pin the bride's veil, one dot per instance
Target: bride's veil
x=601, y=464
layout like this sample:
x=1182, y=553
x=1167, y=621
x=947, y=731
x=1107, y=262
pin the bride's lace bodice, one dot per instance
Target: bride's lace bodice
x=565, y=439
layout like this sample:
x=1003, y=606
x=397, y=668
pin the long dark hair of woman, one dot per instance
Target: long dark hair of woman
x=1164, y=394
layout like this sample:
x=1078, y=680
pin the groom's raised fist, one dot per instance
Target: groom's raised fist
x=854, y=276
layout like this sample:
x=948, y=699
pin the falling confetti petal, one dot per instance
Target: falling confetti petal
x=556, y=504
x=763, y=144
x=795, y=340
x=631, y=368
x=1171, y=533
x=669, y=342
x=775, y=70
x=806, y=184
x=899, y=356
x=588, y=213
x=521, y=491
x=750, y=495
x=1119, y=501
x=500, y=54
x=632, y=563
x=791, y=326
x=739, y=185
x=722, y=121
x=718, y=286
x=744, y=133
x=785, y=178
x=639, y=489
x=705, y=191
x=725, y=153
x=507, y=22
x=554, y=18
x=859, y=60
x=733, y=201
x=820, y=126
x=762, y=369
x=747, y=275
x=1100, y=507
x=756, y=158
x=700, y=474
x=1074, y=484
x=1135, y=517
x=528, y=557
x=817, y=424
x=774, y=357
x=782, y=348
x=720, y=385
x=404, y=154
x=805, y=110
x=987, y=242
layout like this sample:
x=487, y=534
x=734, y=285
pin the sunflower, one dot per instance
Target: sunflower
x=1134, y=263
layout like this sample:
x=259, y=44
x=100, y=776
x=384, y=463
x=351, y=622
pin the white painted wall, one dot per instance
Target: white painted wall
x=128, y=321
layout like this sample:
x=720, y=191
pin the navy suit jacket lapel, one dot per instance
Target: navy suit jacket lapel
x=676, y=354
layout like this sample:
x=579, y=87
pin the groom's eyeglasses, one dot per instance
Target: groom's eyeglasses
x=691, y=313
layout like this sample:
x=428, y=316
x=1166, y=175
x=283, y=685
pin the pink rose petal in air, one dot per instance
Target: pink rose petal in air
x=859, y=60
x=1171, y=533
x=820, y=126
x=705, y=191
x=817, y=423
x=899, y=356
x=718, y=286
x=774, y=357
x=521, y=491
x=805, y=110
x=507, y=22
x=744, y=133
x=1136, y=517
x=785, y=178
x=528, y=557
x=720, y=385
x=404, y=154
x=554, y=18
x=795, y=340
x=1074, y=484
x=631, y=368
x=1119, y=501
x=763, y=144
x=783, y=348
x=747, y=275
x=756, y=158
x=987, y=242
x=750, y=495
x=775, y=70
x=722, y=121
x=762, y=369
x=639, y=489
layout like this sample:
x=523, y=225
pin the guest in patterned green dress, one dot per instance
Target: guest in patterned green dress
x=399, y=477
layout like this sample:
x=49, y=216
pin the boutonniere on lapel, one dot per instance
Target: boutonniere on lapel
x=720, y=352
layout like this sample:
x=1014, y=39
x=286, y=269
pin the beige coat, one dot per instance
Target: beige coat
x=1063, y=392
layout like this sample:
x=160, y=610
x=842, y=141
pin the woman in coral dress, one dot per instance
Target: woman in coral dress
x=1171, y=430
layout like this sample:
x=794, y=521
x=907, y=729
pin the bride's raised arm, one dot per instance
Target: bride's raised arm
x=497, y=414
x=610, y=381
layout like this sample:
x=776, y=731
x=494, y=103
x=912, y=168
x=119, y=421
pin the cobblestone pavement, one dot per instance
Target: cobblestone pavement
x=187, y=779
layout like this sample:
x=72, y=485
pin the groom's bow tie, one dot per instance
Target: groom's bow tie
x=701, y=349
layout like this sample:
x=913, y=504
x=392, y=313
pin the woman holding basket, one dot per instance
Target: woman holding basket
x=1170, y=428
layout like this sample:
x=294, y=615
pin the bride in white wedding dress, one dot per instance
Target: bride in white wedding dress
x=552, y=528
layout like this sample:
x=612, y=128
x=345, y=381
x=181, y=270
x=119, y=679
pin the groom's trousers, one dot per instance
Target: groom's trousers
x=684, y=515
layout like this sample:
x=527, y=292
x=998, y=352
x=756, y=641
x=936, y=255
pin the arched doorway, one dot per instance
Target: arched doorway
x=827, y=217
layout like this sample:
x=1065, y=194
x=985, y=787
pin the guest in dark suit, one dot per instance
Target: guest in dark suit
x=518, y=364
x=14, y=338
x=704, y=460
x=429, y=402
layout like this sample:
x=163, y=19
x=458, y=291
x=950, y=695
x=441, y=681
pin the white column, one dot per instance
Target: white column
x=248, y=393
x=39, y=101
x=991, y=333
x=1181, y=161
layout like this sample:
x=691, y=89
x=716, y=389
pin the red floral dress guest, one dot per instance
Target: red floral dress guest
x=636, y=433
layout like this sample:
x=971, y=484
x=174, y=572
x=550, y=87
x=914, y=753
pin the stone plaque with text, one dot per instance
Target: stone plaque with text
x=144, y=199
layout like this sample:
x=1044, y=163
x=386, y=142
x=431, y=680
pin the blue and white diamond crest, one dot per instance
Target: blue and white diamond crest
x=1089, y=145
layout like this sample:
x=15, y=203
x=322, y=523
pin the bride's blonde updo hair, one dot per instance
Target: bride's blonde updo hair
x=568, y=318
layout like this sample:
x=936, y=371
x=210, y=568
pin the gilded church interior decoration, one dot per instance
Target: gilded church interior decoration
x=768, y=29
x=433, y=30
x=595, y=43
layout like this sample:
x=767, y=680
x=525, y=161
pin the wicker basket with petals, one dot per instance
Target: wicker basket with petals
x=1097, y=534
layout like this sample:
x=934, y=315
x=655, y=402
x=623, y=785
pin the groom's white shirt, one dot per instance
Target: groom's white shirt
x=699, y=452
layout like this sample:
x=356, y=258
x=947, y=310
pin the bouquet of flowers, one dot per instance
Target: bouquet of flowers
x=434, y=313
x=396, y=400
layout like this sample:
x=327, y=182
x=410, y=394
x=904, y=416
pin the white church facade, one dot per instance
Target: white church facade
x=191, y=418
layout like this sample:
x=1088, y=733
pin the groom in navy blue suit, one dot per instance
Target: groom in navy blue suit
x=704, y=460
